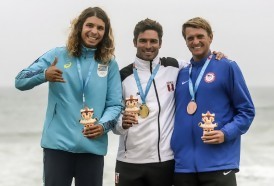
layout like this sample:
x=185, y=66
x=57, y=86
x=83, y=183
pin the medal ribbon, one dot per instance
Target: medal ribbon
x=137, y=79
x=82, y=82
x=192, y=90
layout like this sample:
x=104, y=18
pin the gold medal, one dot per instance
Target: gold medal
x=144, y=111
x=191, y=107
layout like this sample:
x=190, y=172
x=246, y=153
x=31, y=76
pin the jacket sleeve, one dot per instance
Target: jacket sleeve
x=118, y=129
x=182, y=63
x=34, y=74
x=113, y=105
x=242, y=104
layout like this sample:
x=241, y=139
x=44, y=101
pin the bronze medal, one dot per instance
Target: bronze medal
x=191, y=107
x=144, y=111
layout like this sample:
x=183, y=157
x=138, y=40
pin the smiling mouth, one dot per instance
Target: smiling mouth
x=91, y=38
x=148, y=52
x=197, y=47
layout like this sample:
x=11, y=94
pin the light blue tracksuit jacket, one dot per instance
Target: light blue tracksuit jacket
x=62, y=130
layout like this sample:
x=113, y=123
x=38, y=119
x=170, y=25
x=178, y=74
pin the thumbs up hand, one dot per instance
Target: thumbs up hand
x=53, y=74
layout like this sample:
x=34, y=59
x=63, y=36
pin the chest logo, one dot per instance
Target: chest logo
x=67, y=65
x=170, y=86
x=102, y=70
x=184, y=82
x=210, y=77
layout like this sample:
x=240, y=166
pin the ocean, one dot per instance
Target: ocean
x=21, y=123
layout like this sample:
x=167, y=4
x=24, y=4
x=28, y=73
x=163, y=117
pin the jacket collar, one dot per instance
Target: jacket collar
x=201, y=62
x=88, y=52
x=145, y=65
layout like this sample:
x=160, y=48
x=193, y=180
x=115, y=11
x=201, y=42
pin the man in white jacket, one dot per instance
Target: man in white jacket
x=144, y=154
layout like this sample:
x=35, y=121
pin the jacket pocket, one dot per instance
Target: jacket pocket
x=51, y=112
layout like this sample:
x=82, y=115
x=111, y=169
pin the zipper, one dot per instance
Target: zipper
x=125, y=144
x=159, y=106
x=194, y=142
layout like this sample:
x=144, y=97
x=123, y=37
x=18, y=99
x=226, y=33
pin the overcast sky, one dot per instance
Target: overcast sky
x=243, y=30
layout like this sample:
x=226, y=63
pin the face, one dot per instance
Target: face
x=198, y=42
x=148, y=45
x=93, y=31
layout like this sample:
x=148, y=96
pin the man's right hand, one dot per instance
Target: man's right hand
x=128, y=120
x=53, y=74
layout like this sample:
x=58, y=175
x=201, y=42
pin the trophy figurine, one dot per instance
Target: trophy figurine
x=131, y=106
x=87, y=117
x=208, y=124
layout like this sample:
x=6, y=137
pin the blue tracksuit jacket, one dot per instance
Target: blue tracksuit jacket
x=222, y=91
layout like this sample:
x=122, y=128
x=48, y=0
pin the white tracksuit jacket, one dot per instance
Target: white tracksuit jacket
x=149, y=141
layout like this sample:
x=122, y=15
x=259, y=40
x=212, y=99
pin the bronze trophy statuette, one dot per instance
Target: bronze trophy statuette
x=208, y=124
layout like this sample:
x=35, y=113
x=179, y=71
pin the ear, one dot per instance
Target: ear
x=135, y=43
x=211, y=38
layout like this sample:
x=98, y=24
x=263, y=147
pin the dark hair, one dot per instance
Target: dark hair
x=105, y=49
x=148, y=24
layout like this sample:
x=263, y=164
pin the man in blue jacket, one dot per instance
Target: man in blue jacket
x=213, y=94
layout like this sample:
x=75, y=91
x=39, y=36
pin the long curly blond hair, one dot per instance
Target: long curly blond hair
x=105, y=49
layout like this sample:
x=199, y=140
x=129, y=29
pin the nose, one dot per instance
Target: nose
x=195, y=40
x=148, y=45
x=94, y=30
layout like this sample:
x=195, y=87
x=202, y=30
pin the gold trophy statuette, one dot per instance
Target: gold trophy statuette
x=131, y=106
x=208, y=124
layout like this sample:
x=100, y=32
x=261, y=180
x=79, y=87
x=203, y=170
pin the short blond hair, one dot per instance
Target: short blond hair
x=197, y=22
